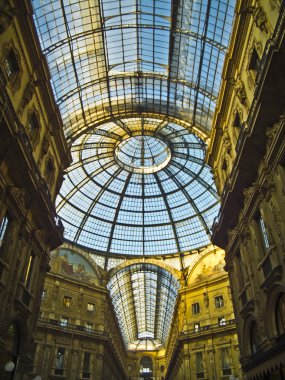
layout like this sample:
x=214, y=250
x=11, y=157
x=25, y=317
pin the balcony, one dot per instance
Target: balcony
x=67, y=327
x=196, y=330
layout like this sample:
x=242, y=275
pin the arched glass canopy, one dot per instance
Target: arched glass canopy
x=112, y=58
x=144, y=297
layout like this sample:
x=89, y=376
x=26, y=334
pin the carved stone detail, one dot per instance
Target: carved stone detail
x=260, y=19
x=28, y=94
x=241, y=93
x=247, y=192
x=7, y=12
x=20, y=195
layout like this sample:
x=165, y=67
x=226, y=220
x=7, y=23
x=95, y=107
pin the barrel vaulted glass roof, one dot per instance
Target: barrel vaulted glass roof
x=112, y=58
x=144, y=297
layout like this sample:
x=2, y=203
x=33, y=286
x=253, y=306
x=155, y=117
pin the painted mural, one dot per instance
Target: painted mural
x=73, y=265
x=212, y=265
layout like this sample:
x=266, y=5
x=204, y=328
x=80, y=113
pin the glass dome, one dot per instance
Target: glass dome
x=138, y=187
x=143, y=154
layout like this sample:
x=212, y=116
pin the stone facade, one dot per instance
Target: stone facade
x=247, y=154
x=33, y=156
x=203, y=342
x=77, y=335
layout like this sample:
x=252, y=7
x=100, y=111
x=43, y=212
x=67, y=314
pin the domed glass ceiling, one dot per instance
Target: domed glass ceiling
x=142, y=154
x=136, y=84
x=142, y=192
x=136, y=186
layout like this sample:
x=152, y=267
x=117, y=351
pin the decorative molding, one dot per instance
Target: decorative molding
x=27, y=94
x=7, y=13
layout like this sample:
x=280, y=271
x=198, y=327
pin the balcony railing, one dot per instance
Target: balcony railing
x=70, y=327
x=194, y=329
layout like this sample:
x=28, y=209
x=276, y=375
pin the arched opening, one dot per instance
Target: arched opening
x=280, y=314
x=253, y=338
x=146, y=368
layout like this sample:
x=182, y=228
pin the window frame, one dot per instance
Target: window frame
x=92, y=310
x=219, y=301
x=66, y=301
x=196, y=309
x=59, y=365
x=63, y=322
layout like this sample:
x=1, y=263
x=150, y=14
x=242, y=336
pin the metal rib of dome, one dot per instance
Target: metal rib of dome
x=114, y=209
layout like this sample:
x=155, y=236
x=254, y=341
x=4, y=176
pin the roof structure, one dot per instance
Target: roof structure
x=136, y=83
x=144, y=297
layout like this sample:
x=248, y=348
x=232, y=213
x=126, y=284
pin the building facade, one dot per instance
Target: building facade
x=203, y=342
x=78, y=335
x=247, y=154
x=33, y=156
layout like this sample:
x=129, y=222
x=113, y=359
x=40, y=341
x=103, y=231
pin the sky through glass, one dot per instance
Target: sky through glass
x=136, y=83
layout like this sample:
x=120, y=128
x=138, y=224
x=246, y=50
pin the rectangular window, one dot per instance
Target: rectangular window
x=219, y=302
x=196, y=327
x=90, y=307
x=44, y=294
x=59, y=361
x=263, y=233
x=67, y=301
x=49, y=170
x=86, y=365
x=33, y=126
x=195, y=308
x=11, y=64
x=237, y=121
x=254, y=61
x=63, y=322
x=88, y=327
x=222, y=321
x=226, y=361
x=3, y=230
x=199, y=365
x=29, y=270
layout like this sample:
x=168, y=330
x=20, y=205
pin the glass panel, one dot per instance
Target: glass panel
x=110, y=57
x=142, y=195
x=144, y=298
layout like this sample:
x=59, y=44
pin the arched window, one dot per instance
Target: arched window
x=253, y=336
x=280, y=314
x=146, y=368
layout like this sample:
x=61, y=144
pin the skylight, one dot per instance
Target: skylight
x=140, y=195
x=144, y=296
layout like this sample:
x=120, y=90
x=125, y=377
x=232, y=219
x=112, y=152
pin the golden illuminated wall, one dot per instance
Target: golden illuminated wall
x=33, y=156
x=77, y=334
x=203, y=341
x=77, y=322
x=247, y=154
